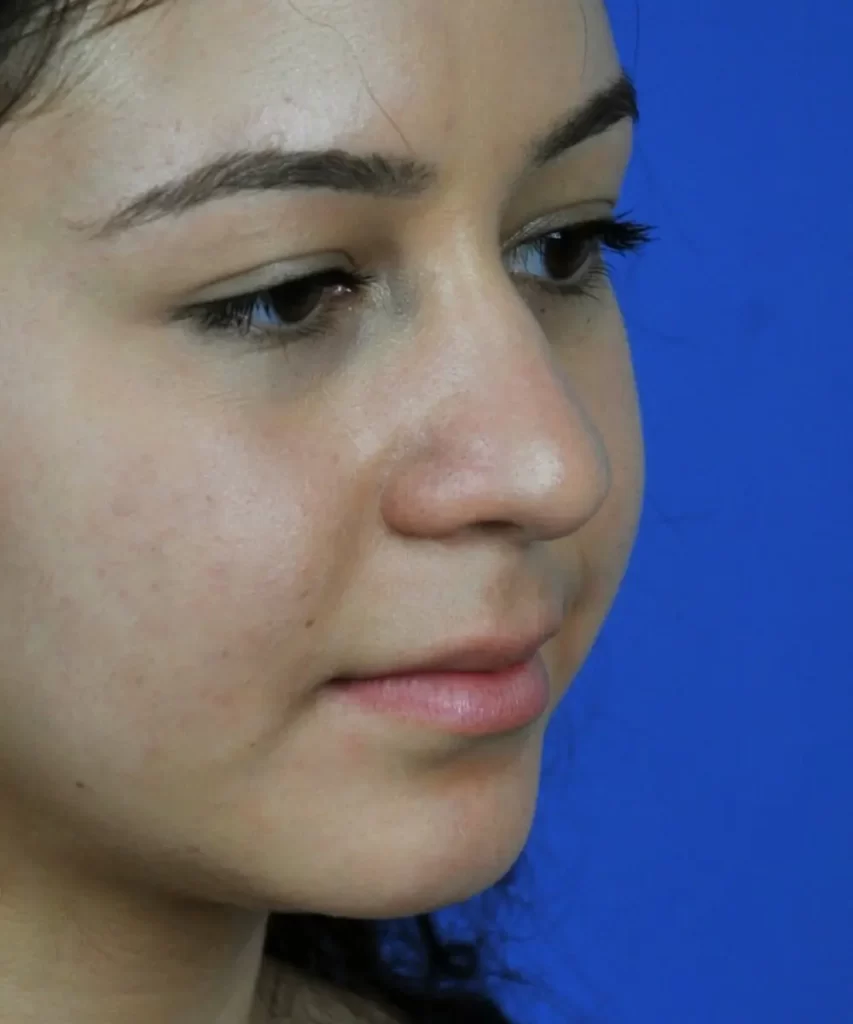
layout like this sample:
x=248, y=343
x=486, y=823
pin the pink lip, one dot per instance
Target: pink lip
x=464, y=703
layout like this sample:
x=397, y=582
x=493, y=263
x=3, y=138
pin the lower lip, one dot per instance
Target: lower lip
x=465, y=703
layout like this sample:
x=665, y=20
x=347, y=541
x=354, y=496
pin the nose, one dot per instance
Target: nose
x=496, y=434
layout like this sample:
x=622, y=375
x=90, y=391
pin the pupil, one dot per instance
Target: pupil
x=564, y=255
x=297, y=300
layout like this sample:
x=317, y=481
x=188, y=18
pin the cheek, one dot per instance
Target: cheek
x=166, y=596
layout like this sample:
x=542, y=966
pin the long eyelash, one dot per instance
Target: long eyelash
x=622, y=235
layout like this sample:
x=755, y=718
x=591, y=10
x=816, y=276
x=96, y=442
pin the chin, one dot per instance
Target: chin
x=426, y=892
x=393, y=846
x=427, y=865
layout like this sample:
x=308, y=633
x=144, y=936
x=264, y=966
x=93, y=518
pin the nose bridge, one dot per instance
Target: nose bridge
x=502, y=436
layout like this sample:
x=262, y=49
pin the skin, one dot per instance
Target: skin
x=195, y=535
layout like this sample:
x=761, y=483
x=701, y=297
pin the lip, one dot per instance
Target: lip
x=474, y=688
x=465, y=704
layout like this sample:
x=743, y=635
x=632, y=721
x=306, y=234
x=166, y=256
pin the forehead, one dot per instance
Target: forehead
x=200, y=73
x=464, y=82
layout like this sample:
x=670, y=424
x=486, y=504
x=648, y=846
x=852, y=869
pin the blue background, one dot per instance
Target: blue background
x=692, y=856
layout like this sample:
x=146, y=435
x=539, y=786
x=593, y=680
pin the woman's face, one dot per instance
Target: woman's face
x=201, y=524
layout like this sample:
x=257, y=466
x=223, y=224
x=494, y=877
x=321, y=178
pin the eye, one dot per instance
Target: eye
x=295, y=308
x=559, y=257
x=569, y=259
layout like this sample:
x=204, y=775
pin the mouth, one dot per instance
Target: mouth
x=475, y=689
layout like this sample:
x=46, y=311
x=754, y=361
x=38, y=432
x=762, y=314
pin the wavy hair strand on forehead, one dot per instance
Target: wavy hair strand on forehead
x=33, y=32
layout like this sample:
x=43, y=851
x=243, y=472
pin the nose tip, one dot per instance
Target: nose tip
x=521, y=454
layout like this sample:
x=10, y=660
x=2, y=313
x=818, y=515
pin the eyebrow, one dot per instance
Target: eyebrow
x=276, y=170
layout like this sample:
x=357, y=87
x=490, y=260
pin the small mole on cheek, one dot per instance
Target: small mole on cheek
x=309, y=623
x=80, y=785
x=224, y=654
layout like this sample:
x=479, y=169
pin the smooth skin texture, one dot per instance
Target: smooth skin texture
x=195, y=534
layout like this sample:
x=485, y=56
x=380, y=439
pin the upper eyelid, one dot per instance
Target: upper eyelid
x=272, y=275
x=277, y=274
x=561, y=220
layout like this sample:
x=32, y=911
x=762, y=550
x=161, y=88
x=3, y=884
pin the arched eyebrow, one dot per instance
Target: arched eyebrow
x=601, y=112
x=277, y=170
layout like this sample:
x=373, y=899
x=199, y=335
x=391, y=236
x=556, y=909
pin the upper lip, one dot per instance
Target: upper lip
x=486, y=654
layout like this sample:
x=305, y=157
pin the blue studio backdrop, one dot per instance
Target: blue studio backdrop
x=692, y=856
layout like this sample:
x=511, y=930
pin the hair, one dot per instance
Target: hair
x=372, y=959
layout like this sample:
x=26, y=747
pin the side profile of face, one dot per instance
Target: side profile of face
x=210, y=508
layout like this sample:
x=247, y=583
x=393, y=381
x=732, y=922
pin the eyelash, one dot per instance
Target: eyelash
x=238, y=314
